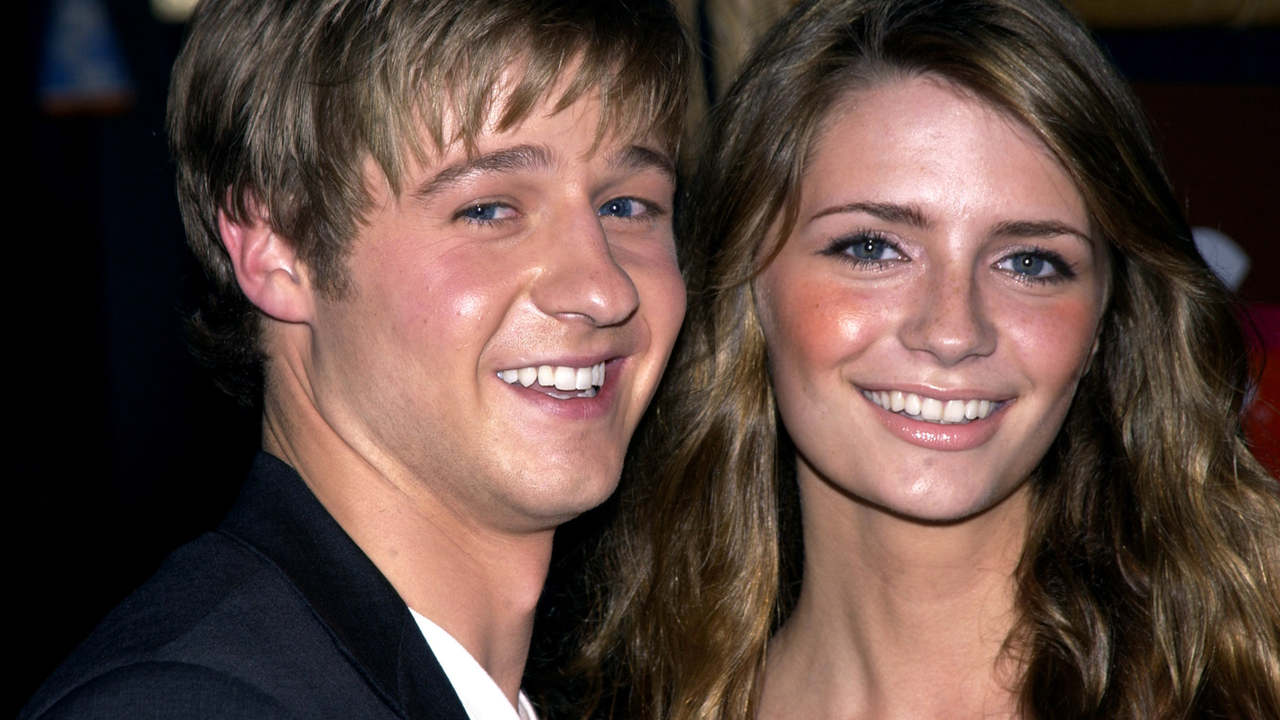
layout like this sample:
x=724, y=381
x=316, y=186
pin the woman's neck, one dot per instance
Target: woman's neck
x=898, y=618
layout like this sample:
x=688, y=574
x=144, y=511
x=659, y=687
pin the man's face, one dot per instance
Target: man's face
x=542, y=255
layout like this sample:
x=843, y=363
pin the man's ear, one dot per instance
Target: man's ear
x=267, y=267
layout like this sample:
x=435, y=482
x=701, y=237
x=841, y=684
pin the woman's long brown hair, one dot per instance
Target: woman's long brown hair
x=1149, y=586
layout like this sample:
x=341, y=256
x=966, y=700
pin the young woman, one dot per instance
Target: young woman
x=955, y=427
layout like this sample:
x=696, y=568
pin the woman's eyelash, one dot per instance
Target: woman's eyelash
x=1029, y=265
x=865, y=248
x=875, y=250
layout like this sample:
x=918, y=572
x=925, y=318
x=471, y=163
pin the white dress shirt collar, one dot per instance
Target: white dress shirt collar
x=480, y=695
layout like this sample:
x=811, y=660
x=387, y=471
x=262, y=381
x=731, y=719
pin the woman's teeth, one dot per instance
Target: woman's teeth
x=930, y=409
x=587, y=379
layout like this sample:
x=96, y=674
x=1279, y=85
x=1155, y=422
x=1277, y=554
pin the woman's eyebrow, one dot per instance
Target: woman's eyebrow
x=519, y=158
x=889, y=212
x=1038, y=229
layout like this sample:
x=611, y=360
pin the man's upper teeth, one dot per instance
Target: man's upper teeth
x=560, y=376
x=931, y=409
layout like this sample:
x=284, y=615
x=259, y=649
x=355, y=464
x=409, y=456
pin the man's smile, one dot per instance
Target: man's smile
x=546, y=378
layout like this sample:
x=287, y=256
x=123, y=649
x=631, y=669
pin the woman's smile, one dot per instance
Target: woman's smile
x=937, y=423
x=933, y=409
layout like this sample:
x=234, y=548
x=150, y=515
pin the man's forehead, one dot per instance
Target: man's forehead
x=539, y=157
x=478, y=129
x=519, y=91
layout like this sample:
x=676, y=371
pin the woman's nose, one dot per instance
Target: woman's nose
x=948, y=319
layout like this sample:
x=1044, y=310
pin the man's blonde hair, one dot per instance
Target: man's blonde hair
x=275, y=105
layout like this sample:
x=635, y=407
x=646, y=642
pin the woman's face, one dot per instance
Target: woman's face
x=929, y=317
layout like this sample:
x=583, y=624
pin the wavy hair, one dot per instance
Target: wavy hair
x=1149, y=585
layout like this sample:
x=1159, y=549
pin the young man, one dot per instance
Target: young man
x=440, y=236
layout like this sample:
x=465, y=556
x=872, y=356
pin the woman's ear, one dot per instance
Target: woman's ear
x=267, y=267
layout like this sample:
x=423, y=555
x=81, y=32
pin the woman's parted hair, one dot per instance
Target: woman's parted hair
x=1149, y=586
x=276, y=104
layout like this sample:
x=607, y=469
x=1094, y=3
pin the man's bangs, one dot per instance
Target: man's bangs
x=640, y=82
x=641, y=101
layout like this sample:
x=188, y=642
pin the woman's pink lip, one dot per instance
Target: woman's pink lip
x=935, y=436
x=938, y=393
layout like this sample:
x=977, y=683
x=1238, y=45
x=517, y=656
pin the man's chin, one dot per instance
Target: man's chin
x=557, y=499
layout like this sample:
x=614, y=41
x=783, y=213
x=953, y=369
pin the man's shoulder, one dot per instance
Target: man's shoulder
x=157, y=689
x=218, y=631
x=279, y=613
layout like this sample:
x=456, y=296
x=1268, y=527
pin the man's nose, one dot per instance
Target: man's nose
x=948, y=319
x=581, y=277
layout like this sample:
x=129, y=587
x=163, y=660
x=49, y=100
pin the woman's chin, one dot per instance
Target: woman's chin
x=942, y=503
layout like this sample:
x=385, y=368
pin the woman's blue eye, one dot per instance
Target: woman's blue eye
x=621, y=207
x=865, y=249
x=1029, y=264
x=872, y=249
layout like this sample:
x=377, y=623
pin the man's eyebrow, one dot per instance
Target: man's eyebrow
x=889, y=212
x=1039, y=229
x=507, y=160
x=638, y=157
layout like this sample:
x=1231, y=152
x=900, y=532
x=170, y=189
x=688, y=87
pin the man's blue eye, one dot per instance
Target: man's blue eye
x=481, y=212
x=620, y=207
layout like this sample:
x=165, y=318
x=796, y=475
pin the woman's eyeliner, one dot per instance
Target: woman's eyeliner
x=874, y=251
x=1027, y=265
x=865, y=249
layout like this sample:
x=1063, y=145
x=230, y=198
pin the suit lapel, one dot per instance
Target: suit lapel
x=277, y=516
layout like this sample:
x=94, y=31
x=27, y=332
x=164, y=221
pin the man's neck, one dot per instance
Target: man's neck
x=478, y=584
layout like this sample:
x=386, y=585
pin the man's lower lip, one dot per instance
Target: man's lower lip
x=936, y=436
x=552, y=392
x=579, y=408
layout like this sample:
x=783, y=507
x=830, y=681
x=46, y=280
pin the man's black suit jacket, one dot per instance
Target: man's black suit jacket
x=278, y=614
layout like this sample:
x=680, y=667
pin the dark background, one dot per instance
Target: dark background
x=123, y=449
